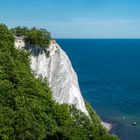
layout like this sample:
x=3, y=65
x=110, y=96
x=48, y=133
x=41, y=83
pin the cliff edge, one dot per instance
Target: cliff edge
x=55, y=65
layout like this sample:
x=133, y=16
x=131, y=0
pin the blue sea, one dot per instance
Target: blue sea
x=109, y=76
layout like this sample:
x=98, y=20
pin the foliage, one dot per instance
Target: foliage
x=36, y=37
x=27, y=110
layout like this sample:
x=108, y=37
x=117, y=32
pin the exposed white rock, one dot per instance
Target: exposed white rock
x=19, y=42
x=107, y=126
x=61, y=76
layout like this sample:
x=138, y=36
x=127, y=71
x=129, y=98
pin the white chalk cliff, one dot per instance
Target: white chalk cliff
x=61, y=76
x=58, y=70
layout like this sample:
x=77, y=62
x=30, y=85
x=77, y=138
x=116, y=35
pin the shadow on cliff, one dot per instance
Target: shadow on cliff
x=35, y=50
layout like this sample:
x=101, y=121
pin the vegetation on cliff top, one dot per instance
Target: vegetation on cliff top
x=27, y=110
x=33, y=36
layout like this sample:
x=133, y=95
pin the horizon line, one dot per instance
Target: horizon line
x=97, y=38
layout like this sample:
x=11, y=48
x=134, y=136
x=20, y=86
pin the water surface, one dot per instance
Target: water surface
x=109, y=78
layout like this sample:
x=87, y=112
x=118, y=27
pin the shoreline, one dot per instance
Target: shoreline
x=107, y=126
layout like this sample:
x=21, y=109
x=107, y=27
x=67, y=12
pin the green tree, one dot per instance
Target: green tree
x=36, y=37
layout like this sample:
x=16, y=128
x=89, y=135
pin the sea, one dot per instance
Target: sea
x=109, y=77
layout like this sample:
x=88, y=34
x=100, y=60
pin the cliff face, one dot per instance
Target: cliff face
x=57, y=68
x=26, y=102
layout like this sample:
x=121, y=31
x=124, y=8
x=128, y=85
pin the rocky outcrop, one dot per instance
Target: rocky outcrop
x=55, y=65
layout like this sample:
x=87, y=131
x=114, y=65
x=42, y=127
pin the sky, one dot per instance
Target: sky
x=75, y=18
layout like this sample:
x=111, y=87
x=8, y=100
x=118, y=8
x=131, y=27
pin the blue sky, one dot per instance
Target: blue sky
x=75, y=18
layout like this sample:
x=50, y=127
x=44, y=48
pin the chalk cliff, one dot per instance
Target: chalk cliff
x=55, y=65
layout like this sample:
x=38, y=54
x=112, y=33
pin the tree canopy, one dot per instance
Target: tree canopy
x=27, y=110
x=36, y=37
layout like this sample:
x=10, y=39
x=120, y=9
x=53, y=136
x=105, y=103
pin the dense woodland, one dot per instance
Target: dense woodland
x=27, y=110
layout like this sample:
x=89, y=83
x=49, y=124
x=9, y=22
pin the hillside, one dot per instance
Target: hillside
x=27, y=108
